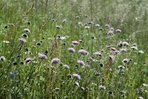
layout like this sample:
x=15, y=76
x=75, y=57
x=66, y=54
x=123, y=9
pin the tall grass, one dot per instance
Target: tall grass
x=50, y=27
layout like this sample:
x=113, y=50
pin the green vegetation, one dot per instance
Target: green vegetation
x=73, y=49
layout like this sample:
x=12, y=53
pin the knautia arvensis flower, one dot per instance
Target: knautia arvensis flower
x=76, y=76
x=71, y=50
x=55, y=61
x=42, y=56
x=83, y=52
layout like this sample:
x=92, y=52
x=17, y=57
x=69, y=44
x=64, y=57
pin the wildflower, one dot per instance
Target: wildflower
x=42, y=56
x=58, y=27
x=83, y=52
x=101, y=87
x=125, y=43
x=64, y=20
x=55, y=61
x=97, y=54
x=77, y=84
x=125, y=61
x=80, y=23
x=66, y=66
x=122, y=50
x=26, y=30
x=11, y=75
x=140, y=52
x=75, y=42
x=77, y=76
x=114, y=50
x=81, y=63
x=24, y=35
x=107, y=25
x=87, y=27
x=97, y=25
x=111, y=57
x=22, y=40
x=110, y=33
x=120, y=44
x=28, y=59
x=110, y=93
x=145, y=85
x=71, y=50
x=118, y=30
x=2, y=58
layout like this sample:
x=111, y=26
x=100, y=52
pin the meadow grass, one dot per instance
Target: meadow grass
x=73, y=49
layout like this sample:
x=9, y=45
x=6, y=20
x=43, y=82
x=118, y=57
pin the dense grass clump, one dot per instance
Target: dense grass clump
x=73, y=49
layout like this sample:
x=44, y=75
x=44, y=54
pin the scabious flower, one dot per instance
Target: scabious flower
x=141, y=52
x=101, y=87
x=83, y=52
x=75, y=43
x=123, y=50
x=81, y=63
x=26, y=30
x=98, y=54
x=77, y=84
x=58, y=27
x=125, y=44
x=112, y=57
x=87, y=27
x=42, y=56
x=118, y=30
x=97, y=25
x=22, y=40
x=66, y=66
x=125, y=61
x=28, y=59
x=114, y=50
x=55, y=61
x=2, y=58
x=71, y=50
x=77, y=76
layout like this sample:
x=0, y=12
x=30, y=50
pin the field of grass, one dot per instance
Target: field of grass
x=73, y=49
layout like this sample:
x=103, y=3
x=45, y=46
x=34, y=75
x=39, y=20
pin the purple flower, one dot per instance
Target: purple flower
x=97, y=54
x=111, y=57
x=28, y=59
x=55, y=61
x=83, y=52
x=42, y=56
x=71, y=50
x=81, y=63
x=75, y=42
x=77, y=76
x=22, y=40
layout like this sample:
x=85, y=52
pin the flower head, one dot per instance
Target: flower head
x=22, y=40
x=55, y=61
x=26, y=30
x=28, y=59
x=75, y=42
x=77, y=76
x=71, y=50
x=81, y=63
x=83, y=52
x=2, y=58
x=42, y=56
